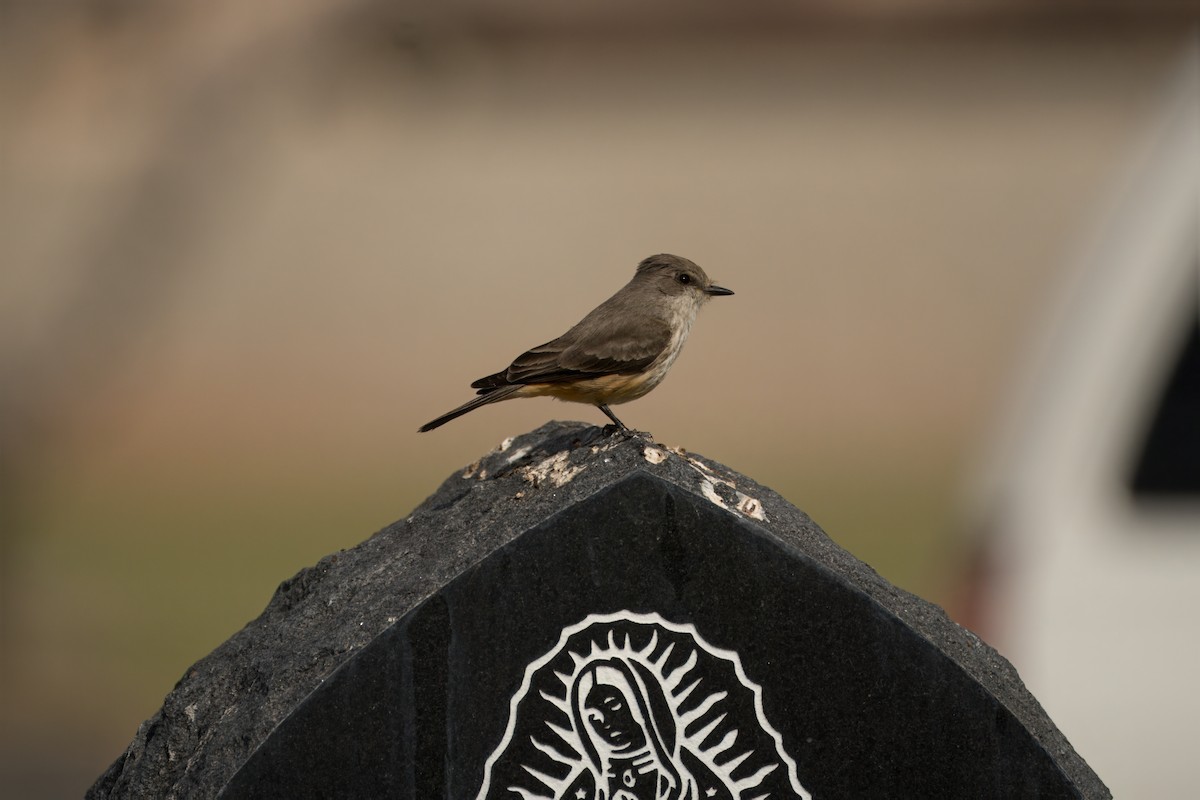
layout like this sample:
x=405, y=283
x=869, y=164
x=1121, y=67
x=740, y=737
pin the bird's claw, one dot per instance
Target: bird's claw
x=624, y=432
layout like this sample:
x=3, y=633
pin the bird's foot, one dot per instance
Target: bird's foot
x=619, y=427
x=625, y=433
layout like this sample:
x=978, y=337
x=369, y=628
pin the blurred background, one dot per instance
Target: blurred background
x=248, y=248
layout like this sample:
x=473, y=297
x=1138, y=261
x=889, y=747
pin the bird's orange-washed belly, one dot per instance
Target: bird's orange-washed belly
x=606, y=390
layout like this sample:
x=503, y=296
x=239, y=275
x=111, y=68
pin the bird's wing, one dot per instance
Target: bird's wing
x=589, y=351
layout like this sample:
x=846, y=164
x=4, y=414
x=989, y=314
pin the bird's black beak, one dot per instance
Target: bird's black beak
x=716, y=291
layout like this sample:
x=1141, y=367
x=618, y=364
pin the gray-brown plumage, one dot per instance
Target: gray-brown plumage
x=617, y=353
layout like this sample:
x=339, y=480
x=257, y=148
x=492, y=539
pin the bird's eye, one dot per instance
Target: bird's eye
x=684, y=278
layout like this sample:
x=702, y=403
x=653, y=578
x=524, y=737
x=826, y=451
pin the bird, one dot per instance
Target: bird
x=619, y=352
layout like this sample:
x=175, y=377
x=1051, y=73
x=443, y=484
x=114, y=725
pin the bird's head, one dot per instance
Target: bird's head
x=678, y=277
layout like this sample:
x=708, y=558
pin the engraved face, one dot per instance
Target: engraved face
x=609, y=715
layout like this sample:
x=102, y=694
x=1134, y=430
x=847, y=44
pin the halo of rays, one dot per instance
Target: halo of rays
x=750, y=764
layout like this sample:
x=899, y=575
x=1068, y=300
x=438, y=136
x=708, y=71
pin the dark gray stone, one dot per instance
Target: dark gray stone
x=571, y=599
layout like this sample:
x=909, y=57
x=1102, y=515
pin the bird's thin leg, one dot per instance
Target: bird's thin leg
x=608, y=413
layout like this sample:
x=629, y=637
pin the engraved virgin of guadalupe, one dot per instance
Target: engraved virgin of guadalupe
x=632, y=707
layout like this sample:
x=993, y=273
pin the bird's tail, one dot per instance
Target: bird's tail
x=482, y=400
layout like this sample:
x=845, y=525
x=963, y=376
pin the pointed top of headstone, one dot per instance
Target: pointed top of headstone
x=574, y=604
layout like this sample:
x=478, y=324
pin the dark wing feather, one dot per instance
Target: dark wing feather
x=592, y=348
x=490, y=383
x=624, y=351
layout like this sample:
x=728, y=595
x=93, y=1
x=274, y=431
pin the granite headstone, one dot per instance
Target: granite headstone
x=579, y=615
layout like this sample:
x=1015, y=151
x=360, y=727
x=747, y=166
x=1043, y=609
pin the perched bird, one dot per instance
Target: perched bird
x=617, y=353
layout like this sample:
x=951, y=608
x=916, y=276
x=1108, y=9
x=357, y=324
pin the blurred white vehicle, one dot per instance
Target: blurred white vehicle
x=1089, y=508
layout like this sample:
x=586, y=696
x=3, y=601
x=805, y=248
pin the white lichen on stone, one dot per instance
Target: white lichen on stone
x=709, y=490
x=751, y=507
x=517, y=455
x=746, y=505
x=654, y=455
x=555, y=470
